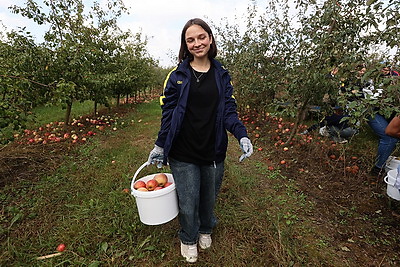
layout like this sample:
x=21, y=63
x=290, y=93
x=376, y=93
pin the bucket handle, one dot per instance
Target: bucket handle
x=386, y=179
x=136, y=174
x=138, y=170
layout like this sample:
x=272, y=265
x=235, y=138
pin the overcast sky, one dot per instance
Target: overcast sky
x=160, y=20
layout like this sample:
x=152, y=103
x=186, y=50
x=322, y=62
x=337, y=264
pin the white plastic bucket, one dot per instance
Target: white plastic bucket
x=391, y=190
x=155, y=207
x=392, y=163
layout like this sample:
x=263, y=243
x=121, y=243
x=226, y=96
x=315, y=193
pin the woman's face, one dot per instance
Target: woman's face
x=198, y=41
x=361, y=72
x=385, y=70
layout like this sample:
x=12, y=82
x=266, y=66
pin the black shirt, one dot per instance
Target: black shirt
x=195, y=142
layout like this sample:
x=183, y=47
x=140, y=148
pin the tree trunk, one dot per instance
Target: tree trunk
x=299, y=119
x=68, y=113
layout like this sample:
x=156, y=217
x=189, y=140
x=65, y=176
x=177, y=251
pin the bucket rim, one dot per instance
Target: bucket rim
x=152, y=194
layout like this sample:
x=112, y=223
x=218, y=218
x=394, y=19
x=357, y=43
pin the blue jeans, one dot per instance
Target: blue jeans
x=338, y=132
x=386, y=143
x=197, y=187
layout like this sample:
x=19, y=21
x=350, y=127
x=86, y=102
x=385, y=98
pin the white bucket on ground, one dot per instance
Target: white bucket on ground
x=155, y=207
x=392, y=163
x=391, y=190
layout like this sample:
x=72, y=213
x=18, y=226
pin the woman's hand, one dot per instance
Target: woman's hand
x=247, y=148
x=156, y=156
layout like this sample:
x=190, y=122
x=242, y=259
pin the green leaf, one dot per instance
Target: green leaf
x=104, y=246
x=145, y=241
x=150, y=248
x=94, y=264
x=15, y=219
x=391, y=22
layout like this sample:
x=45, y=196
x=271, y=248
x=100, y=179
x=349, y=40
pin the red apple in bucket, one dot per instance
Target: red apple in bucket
x=143, y=189
x=161, y=179
x=151, y=184
x=167, y=184
x=139, y=184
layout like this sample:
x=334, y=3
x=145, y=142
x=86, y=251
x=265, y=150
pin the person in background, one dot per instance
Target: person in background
x=379, y=123
x=333, y=72
x=388, y=71
x=334, y=127
x=198, y=109
x=393, y=128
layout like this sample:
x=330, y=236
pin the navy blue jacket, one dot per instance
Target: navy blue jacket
x=173, y=104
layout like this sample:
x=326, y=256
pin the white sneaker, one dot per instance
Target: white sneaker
x=205, y=241
x=189, y=252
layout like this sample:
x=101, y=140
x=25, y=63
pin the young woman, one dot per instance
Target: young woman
x=198, y=109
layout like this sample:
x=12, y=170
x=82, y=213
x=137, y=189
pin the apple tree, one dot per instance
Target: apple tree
x=285, y=55
x=23, y=82
x=72, y=37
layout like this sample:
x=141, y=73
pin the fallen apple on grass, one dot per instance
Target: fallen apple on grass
x=61, y=247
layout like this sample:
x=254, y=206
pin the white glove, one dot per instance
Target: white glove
x=324, y=131
x=247, y=148
x=156, y=156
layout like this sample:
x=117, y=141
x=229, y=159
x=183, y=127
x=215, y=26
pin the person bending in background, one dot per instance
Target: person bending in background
x=378, y=124
x=333, y=127
x=198, y=109
x=393, y=128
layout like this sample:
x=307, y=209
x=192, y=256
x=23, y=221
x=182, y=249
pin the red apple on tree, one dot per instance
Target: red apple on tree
x=161, y=179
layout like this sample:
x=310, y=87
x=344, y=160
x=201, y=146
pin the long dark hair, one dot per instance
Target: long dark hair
x=184, y=51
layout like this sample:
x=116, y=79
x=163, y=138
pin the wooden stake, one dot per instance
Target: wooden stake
x=49, y=256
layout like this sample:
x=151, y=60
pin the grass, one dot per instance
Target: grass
x=261, y=213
